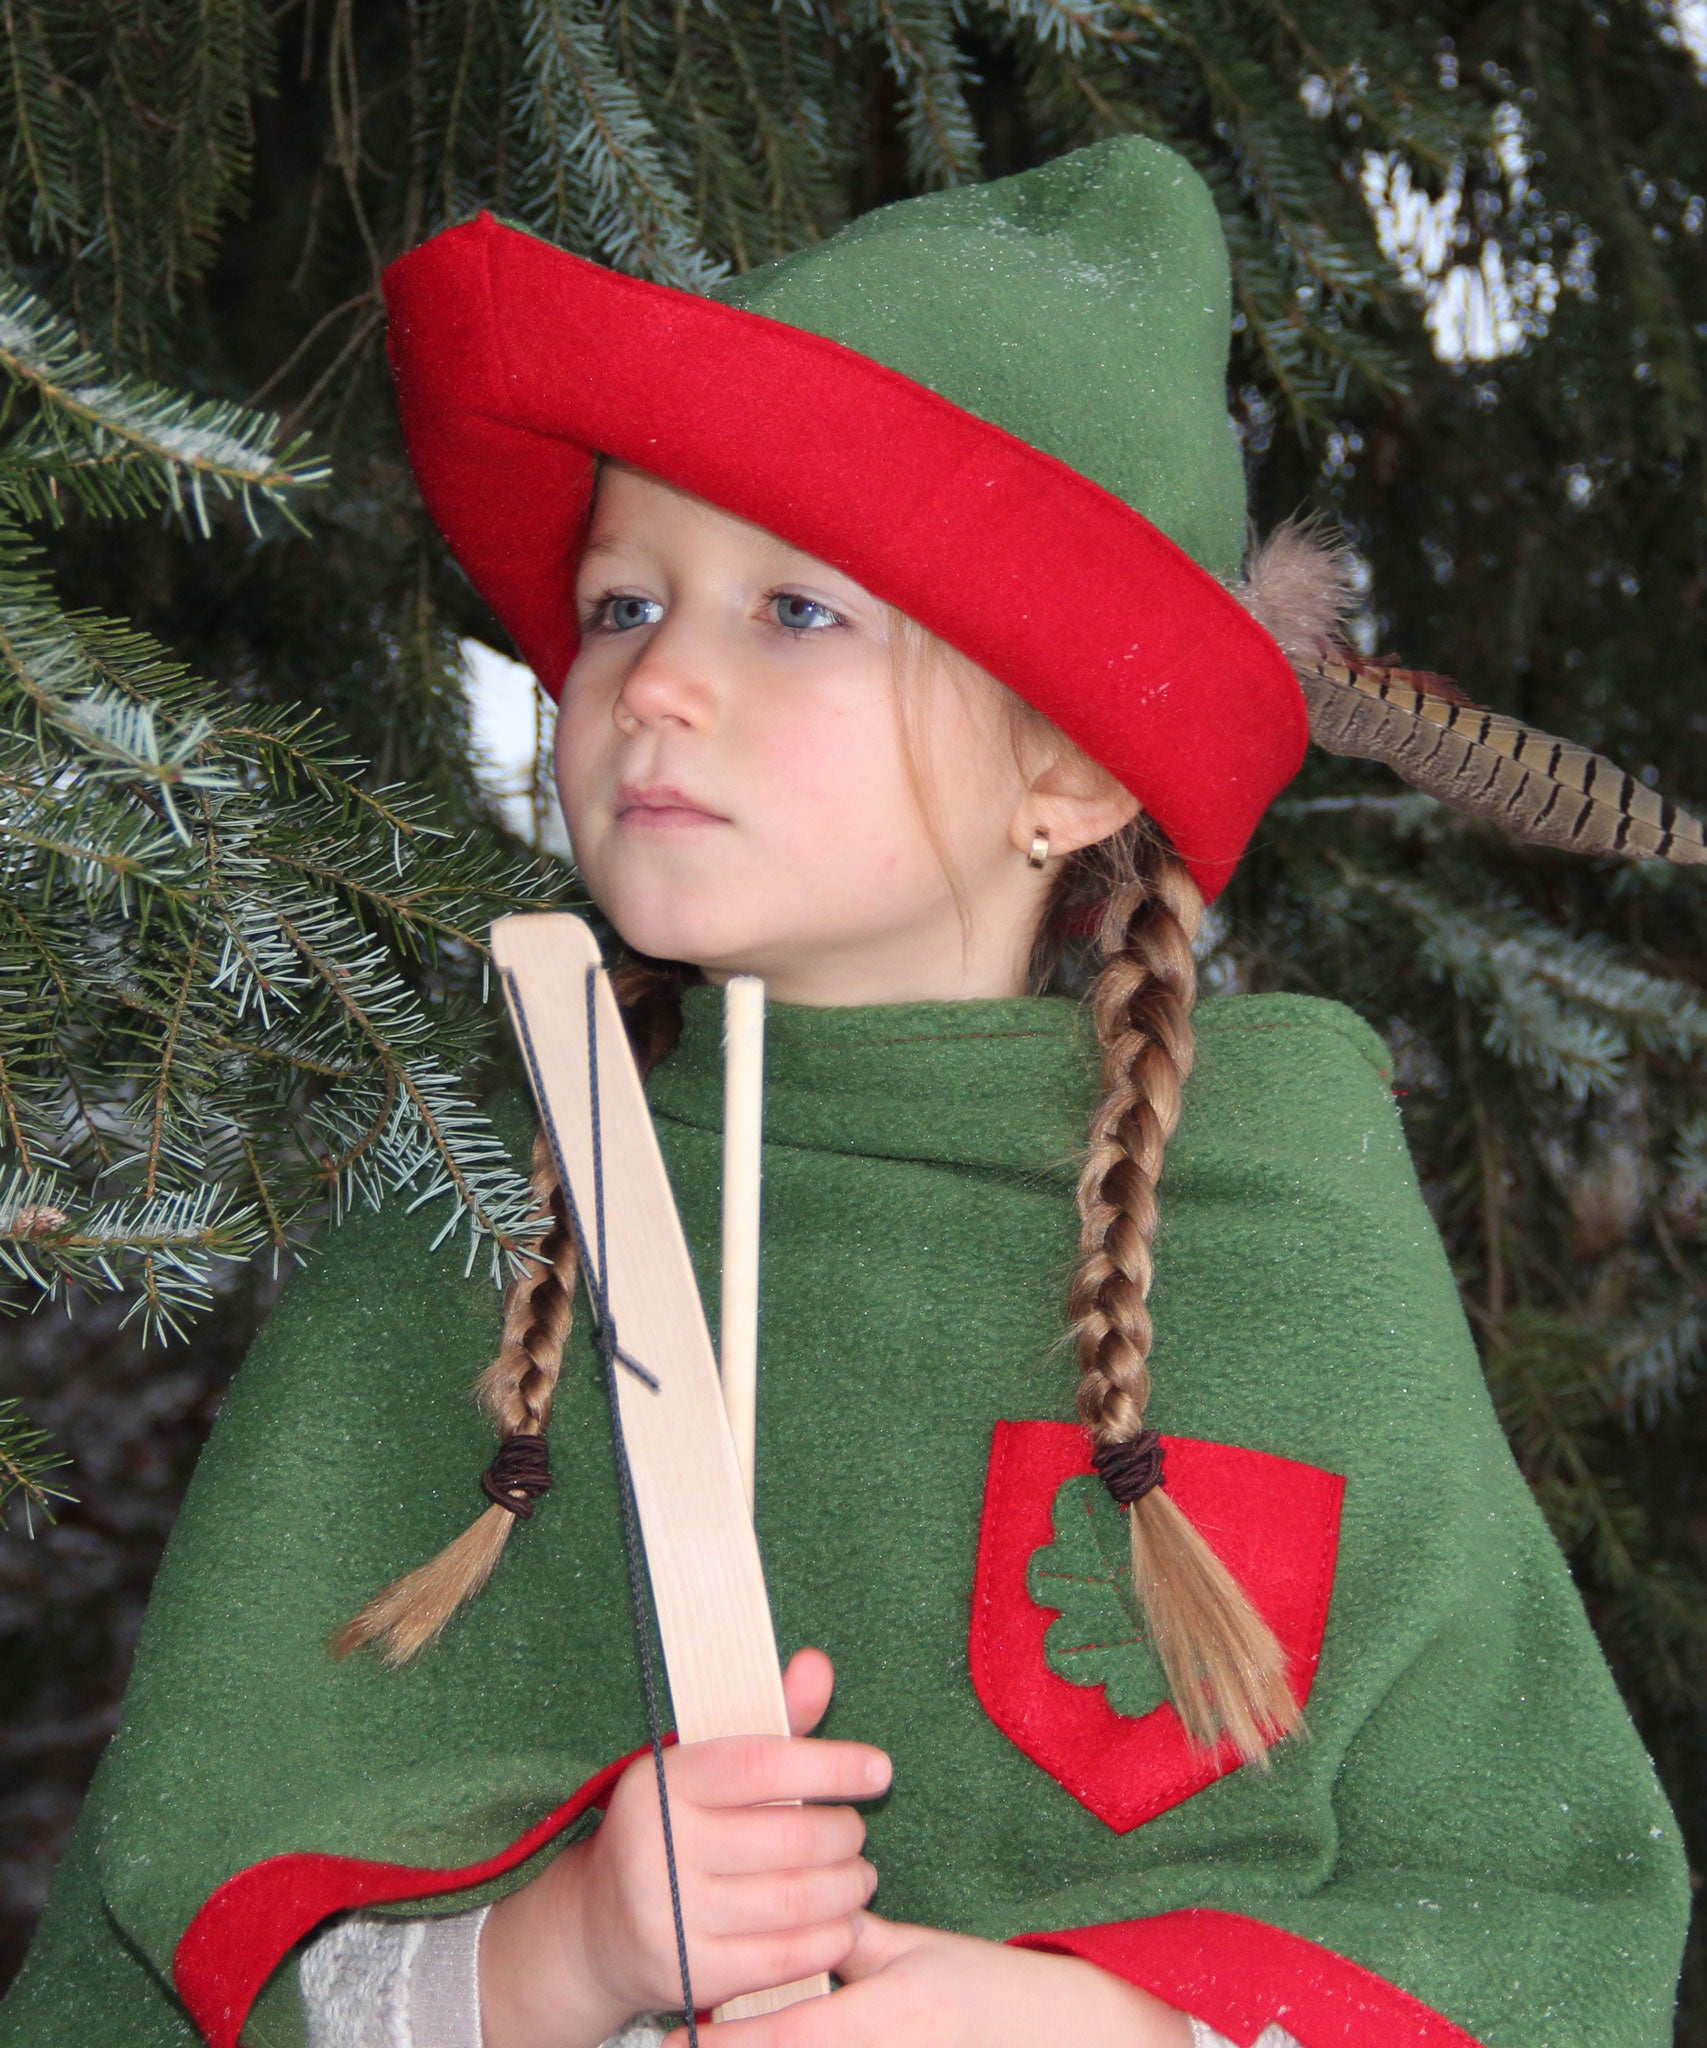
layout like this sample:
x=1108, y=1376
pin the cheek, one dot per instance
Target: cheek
x=581, y=724
x=846, y=828
x=838, y=775
x=973, y=770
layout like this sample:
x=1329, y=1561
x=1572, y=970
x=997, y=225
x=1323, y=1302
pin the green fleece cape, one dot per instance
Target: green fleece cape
x=1470, y=1844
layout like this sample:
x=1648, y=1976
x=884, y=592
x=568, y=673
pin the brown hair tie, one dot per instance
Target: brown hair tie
x=1132, y=1468
x=522, y=1467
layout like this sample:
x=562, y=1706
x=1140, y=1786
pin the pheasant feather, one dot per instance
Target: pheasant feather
x=1530, y=784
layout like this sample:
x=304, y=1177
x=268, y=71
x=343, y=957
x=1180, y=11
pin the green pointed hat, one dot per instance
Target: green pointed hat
x=1001, y=408
x=1083, y=307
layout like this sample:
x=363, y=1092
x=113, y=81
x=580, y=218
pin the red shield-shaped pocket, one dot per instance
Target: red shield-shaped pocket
x=1273, y=1522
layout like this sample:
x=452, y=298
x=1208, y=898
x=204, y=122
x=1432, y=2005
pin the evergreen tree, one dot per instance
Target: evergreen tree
x=205, y=1027
x=239, y=973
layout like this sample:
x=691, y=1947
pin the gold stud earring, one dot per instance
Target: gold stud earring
x=1039, y=849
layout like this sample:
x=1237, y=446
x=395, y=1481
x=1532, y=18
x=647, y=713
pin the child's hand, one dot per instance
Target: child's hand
x=915, y=1987
x=769, y=1893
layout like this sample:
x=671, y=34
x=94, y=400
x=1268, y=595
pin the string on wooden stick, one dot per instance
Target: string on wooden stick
x=612, y=1354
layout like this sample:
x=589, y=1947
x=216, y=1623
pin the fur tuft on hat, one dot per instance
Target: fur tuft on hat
x=1299, y=585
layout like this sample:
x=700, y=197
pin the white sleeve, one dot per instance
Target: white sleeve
x=355, y=1984
x=416, y=1984
x=411, y=1984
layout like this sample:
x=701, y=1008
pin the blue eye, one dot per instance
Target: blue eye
x=623, y=614
x=619, y=613
x=797, y=614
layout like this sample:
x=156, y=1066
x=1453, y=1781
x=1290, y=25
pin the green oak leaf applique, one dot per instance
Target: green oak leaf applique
x=1086, y=1573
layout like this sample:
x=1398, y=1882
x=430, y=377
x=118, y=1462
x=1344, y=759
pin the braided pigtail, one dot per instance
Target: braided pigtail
x=1224, y=1667
x=516, y=1389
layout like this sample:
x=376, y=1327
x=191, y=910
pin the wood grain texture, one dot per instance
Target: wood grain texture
x=702, y=1557
x=743, y=1152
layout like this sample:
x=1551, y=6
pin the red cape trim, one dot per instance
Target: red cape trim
x=1273, y=1522
x=517, y=361
x=248, y=1927
x=1238, y=1975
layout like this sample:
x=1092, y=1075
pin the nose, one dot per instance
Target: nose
x=669, y=684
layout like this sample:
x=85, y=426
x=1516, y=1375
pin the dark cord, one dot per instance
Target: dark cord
x=639, y=1587
x=518, y=1475
x=1131, y=1468
x=613, y=1355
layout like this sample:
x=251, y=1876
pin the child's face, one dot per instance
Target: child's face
x=732, y=766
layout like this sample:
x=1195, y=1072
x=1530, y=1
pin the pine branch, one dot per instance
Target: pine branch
x=598, y=174
x=207, y=896
x=754, y=96
x=1563, y=1005
x=117, y=445
x=37, y=137
x=1656, y=1363
x=27, y=1465
x=1067, y=27
x=161, y=1248
x=210, y=59
x=918, y=43
x=1689, y=1163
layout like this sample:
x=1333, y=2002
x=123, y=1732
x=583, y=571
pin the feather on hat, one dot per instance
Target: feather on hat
x=1535, y=787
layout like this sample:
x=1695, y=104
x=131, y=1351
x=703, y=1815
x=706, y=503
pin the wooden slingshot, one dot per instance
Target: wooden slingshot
x=691, y=1482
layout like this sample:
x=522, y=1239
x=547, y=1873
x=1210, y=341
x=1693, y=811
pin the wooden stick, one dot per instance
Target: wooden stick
x=708, y=1585
x=743, y=1140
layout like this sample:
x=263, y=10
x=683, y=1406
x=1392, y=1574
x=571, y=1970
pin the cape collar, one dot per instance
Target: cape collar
x=995, y=1084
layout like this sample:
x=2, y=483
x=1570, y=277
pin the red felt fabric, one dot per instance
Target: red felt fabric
x=248, y=1927
x=515, y=361
x=1238, y=1975
x=1272, y=1521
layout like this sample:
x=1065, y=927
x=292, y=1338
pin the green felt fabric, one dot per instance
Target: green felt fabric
x=1108, y=264
x=1098, y=1638
x=1472, y=1817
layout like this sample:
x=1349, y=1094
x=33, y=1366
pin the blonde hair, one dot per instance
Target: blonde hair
x=1225, y=1668
x=1135, y=899
x=516, y=1389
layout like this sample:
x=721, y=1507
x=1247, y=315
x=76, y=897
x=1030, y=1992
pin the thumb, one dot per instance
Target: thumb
x=877, y=1944
x=807, y=1685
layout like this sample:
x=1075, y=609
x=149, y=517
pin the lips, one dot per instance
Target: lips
x=661, y=805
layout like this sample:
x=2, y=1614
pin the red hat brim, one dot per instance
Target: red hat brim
x=517, y=363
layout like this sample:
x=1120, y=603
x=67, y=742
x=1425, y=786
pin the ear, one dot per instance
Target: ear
x=1075, y=802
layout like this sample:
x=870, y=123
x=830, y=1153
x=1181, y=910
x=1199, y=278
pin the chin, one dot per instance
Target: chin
x=699, y=936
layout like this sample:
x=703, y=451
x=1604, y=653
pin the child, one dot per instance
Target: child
x=901, y=669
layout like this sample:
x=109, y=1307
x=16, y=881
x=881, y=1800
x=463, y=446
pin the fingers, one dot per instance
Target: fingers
x=807, y=1685
x=776, y=1901
x=757, y=1962
x=877, y=1944
x=768, y=1838
x=879, y=2006
x=754, y=1770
